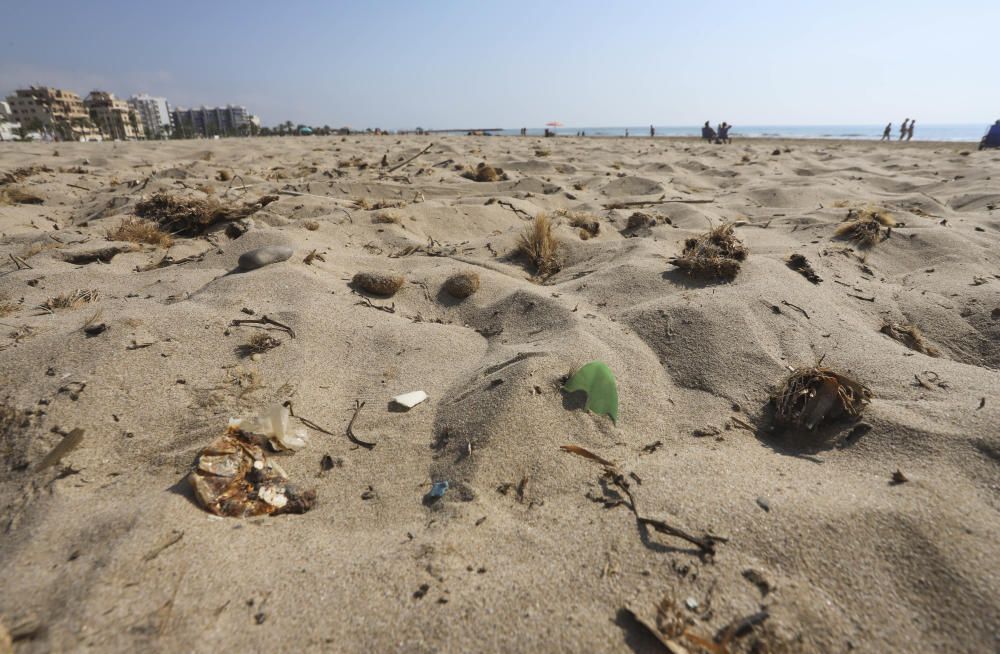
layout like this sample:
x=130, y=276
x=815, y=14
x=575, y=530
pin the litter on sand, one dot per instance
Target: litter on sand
x=410, y=400
x=598, y=382
x=438, y=490
x=273, y=425
x=234, y=478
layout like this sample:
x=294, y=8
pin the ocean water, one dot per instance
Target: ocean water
x=860, y=132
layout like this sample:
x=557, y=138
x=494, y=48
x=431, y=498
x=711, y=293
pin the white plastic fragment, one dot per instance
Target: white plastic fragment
x=411, y=399
x=273, y=424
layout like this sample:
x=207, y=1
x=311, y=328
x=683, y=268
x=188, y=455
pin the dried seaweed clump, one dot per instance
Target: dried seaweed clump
x=463, y=284
x=538, y=244
x=810, y=396
x=801, y=265
x=16, y=195
x=193, y=216
x=378, y=283
x=258, y=343
x=7, y=306
x=910, y=336
x=865, y=226
x=24, y=172
x=716, y=253
x=137, y=230
x=234, y=478
x=73, y=300
x=485, y=173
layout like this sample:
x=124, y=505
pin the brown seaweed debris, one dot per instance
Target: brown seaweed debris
x=463, y=284
x=485, y=173
x=378, y=283
x=136, y=230
x=234, y=478
x=538, y=244
x=910, y=336
x=801, y=265
x=716, y=253
x=865, y=226
x=810, y=396
x=193, y=216
x=24, y=172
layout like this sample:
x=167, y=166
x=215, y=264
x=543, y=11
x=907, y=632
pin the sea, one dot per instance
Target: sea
x=929, y=132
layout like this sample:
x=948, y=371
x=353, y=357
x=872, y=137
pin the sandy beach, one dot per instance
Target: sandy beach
x=872, y=533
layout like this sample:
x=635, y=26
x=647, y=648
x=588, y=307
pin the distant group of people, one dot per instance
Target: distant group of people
x=905, y=131
x=720, y=135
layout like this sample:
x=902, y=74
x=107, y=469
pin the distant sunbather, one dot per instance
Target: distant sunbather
x=707, y=132
x=724, y=132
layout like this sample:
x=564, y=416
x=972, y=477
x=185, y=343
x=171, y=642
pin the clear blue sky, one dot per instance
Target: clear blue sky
x=509, y=63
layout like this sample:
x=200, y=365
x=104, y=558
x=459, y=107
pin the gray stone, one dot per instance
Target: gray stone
x=264, y=256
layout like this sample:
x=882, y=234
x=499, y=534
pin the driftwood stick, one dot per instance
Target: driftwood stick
x=397, y=166
x=263, y=320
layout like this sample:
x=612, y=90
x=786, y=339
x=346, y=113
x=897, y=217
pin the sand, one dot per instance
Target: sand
x=107, y=550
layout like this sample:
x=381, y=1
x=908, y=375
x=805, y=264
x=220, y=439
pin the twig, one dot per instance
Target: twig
x=650, y=203
x=168, y=260
x=19, y=262
x=861, y=297
x=82, y=188
x=381, y=307
x=704, y=543
x=510, y=206
x=155, y=552
x=797, y=308
x=410, y=159
x=263, y=320
x=358, y=405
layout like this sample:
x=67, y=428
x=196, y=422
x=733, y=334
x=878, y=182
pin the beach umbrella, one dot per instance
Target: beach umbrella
x=554, y=123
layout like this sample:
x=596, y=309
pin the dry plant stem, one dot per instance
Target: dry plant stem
x=368, y=303
x=358, y=405
x=704, y=543
x=398, y=166
x=517, y=211
x=263, y=320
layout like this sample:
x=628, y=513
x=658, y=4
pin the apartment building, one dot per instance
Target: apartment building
x=155, y=114
x=116, y=119
x=56, y=111
x=211, y=121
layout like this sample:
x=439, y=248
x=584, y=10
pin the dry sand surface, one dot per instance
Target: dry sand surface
x=532, y=548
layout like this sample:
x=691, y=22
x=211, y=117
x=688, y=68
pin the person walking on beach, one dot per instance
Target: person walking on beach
x=902, y=130
x=652, y=132
x=626, y=132
x=887, y=134
x=909, y=130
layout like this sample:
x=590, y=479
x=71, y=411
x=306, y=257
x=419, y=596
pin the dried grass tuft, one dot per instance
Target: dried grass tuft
x=194, y=216
x=485, y=173
x=387, y=218
x=17, y=195
x=810, y=396
x=910, y=336
x=538, y=244
x=582, y=220
x=716, y=253
x=865, y=226
x=137, y=230
x=72, y=300
x=7, y=306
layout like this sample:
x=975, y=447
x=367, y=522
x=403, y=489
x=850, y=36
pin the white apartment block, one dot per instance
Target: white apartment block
x=155, y=113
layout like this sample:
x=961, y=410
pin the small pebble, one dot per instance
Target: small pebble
x=264, y=256
x=763, y=503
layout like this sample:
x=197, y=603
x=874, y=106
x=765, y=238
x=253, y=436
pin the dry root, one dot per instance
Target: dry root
x=865, y=226
x=194, y=216
x=810, y=396
x=910, y=336
x=538, y=244
x=137, y=230
x=716, y=253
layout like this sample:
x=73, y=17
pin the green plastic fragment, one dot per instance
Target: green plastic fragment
x=597, y=380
